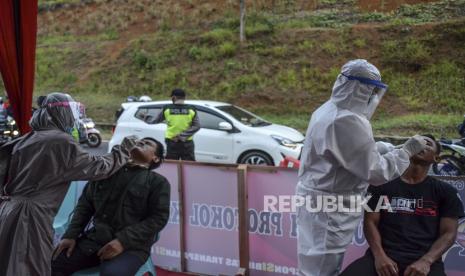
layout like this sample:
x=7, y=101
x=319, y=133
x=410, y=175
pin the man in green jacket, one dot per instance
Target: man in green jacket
x=183, y=122
x=125, y=213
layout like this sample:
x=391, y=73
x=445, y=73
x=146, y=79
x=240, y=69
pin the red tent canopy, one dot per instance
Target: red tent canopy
x=18, y=30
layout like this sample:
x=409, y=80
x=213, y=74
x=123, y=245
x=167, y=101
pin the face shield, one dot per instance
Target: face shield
x=378, y=90
x=77, y=111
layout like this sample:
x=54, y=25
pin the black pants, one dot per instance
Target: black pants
x=180, y=150
x=125, y=264
x=366, y=266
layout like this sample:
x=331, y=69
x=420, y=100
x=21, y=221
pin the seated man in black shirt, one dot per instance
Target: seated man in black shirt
x=409, y=238
x=128, y=210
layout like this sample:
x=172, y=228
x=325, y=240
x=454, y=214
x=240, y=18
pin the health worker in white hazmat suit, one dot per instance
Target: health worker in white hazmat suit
x=341, y=158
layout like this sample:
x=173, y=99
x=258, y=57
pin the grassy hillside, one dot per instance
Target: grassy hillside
x=103, y=51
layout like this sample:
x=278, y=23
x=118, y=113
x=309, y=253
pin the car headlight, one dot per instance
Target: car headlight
x=284, y=141
x=90, y=125
x=12, y=123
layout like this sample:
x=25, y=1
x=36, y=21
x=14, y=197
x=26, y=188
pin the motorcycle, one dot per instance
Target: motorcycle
x=88, y=134
x=453, y=162
x=8, y=129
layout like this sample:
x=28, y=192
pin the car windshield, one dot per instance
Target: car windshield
x=243, y=116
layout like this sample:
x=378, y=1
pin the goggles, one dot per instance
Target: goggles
x=367, y=81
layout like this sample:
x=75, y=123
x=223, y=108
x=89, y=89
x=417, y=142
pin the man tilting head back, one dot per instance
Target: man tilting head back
x=410, y=236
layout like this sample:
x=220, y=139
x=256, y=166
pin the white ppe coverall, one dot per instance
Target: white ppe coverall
x=340, y=157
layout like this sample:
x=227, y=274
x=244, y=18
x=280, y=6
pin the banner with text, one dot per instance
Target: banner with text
x=211, y=223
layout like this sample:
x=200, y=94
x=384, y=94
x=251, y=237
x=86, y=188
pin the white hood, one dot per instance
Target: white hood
x=357, y=96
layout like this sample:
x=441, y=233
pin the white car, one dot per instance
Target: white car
x=228, y=134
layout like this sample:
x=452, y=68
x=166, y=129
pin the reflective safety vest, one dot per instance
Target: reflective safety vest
x=179, y=118
x=75, y=134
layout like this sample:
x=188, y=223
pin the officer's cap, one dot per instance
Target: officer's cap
x=178, y=93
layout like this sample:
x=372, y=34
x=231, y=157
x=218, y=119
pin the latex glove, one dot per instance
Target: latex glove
x=414, y=145
x=384, y=147
x=129, y=143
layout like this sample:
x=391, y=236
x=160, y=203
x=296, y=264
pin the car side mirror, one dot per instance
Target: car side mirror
x=225, y=126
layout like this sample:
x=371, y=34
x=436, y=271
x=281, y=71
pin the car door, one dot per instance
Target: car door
x=212, y=144
x=145, y=130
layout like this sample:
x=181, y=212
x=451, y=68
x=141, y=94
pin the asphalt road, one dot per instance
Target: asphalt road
x=102, y=149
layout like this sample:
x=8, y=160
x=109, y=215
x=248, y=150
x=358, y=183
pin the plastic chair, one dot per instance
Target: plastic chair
x=61, y=221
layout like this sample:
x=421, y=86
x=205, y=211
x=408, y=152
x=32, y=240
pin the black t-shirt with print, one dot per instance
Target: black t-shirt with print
x=411, y=228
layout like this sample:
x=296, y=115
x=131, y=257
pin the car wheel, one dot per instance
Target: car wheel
x=256, y=158
x=94, y=140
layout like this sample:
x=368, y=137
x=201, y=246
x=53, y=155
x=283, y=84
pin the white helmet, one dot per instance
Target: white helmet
x=131, y=99
x=145, y=98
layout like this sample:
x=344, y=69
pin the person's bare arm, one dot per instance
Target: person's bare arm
x=384, y=265
x=447, y=234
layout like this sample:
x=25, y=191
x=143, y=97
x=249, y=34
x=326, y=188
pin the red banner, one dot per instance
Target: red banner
x=18, y=30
